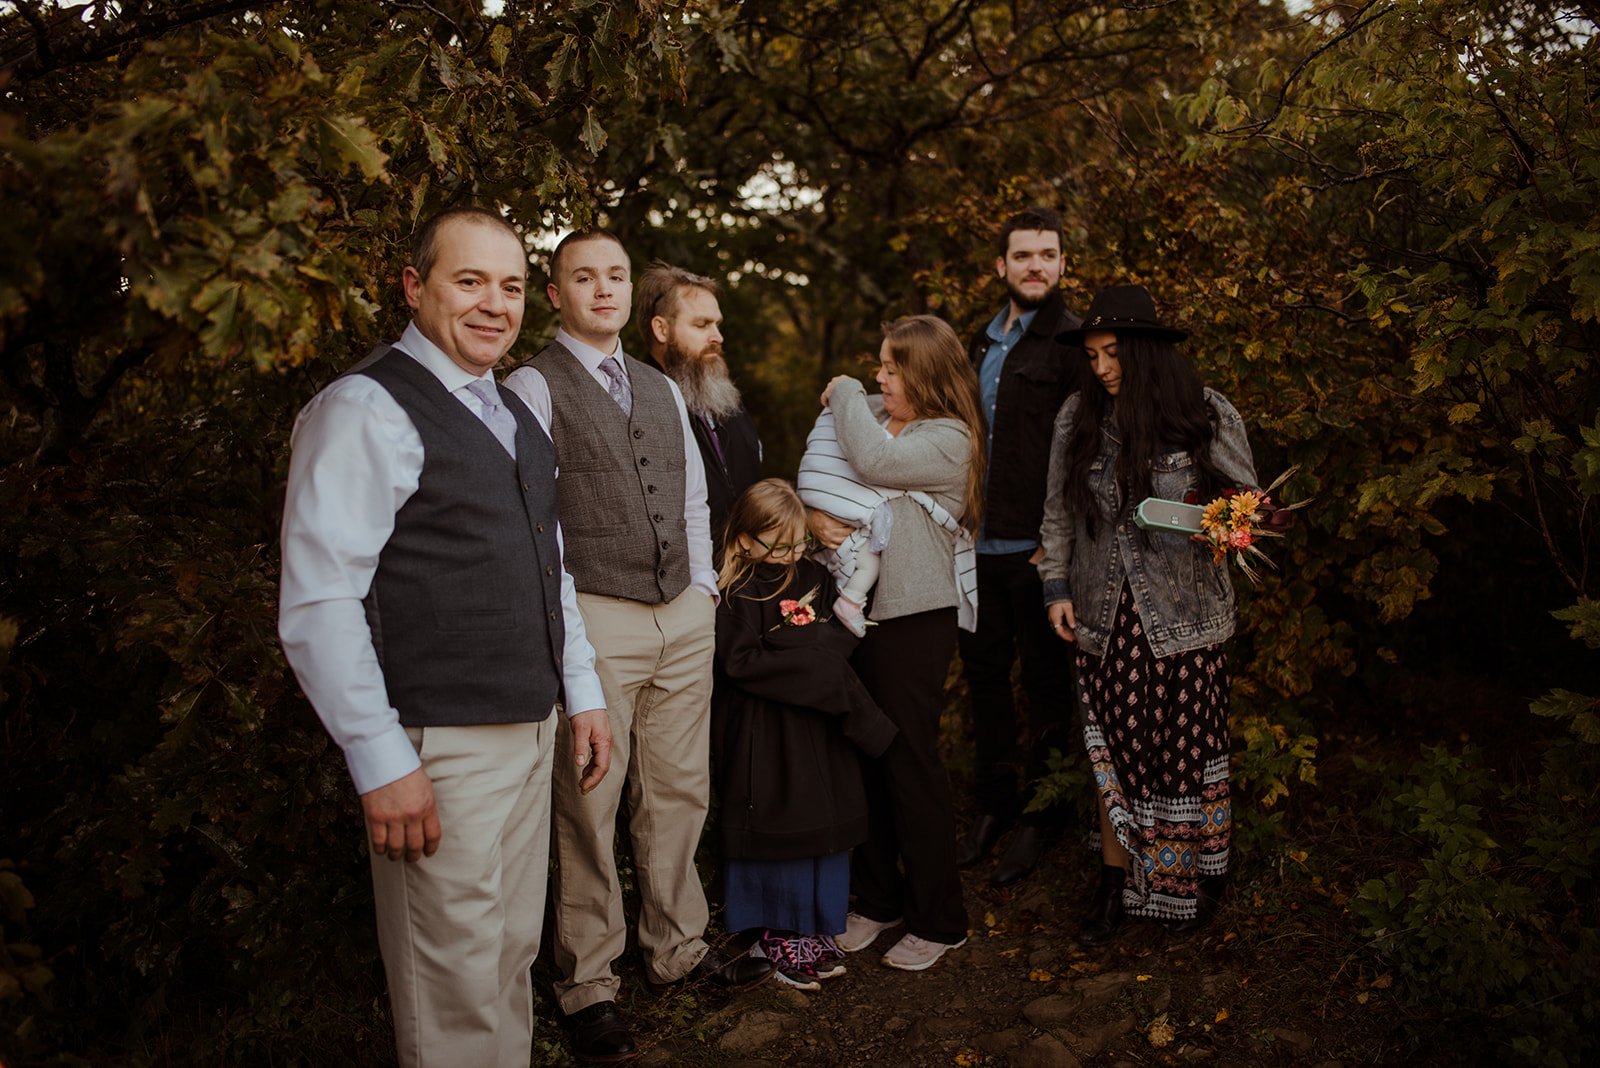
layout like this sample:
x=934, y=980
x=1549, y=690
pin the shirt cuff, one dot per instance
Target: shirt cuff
x=382, y=760
x=707, y=584
x=1056, y=591
x=583, y=694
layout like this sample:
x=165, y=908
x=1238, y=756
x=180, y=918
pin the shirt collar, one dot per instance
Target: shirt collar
x=414, y=344
x=997, y=325
x=587, y=355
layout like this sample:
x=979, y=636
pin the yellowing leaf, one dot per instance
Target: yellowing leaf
x=1363, y=997
x=1039, y=975
x=1160, y=1032
x=1383, y=982
x=1143, y=978
x=1222, y=1014
x=988, y=919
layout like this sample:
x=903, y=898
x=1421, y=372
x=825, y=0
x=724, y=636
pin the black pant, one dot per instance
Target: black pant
x=1012, y=622
x=910, y=819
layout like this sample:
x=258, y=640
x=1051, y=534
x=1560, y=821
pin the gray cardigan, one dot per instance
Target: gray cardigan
x=932, y=455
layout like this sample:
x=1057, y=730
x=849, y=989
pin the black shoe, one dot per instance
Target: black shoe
x=600, y=1035
x=1105, y=908
x=979, y=839
x=735, y=973
x=1211, y=891
x=1021, y=856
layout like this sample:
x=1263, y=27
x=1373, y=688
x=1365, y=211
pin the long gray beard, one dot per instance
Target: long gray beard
x=706, y=387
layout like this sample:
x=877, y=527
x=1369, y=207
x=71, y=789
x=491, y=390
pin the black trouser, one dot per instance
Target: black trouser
x=1012, y=623
x=910, y=819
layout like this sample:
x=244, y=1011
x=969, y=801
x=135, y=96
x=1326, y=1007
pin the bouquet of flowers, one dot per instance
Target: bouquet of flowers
x=1235, y=521
x=798, y=613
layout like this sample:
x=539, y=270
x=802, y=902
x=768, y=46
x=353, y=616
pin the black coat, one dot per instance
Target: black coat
x=1038, y=375
x=789, y=723
x=735, y=471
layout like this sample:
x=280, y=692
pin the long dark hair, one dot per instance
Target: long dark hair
x=1160, y=408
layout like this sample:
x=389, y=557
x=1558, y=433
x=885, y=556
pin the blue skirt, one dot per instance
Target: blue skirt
x=808, y=896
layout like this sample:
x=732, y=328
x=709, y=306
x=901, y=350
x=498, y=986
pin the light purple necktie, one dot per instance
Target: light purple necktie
x=499, y=421
x=620, y=390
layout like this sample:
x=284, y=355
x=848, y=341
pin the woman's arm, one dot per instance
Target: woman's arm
x=933, y=458
x=1230, y=449
x=1056, y=532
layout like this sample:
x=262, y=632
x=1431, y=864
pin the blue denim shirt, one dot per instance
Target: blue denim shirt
x=1185, y=601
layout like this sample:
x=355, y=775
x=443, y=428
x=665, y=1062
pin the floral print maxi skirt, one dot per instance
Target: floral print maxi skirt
x=1157, y=733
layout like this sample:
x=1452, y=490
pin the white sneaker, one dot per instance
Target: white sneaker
x=860, y=932
x=913, y=954
x=851, y=615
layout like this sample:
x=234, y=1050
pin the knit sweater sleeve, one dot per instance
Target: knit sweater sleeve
x=930, y=455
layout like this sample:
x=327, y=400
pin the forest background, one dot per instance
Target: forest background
x=1377, y=221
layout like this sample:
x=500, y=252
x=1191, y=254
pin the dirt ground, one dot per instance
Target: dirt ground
x=1266, y=984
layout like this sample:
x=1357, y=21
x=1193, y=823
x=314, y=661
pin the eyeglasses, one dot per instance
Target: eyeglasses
x=783, y=549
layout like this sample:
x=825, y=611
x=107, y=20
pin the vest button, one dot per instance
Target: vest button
x=638, y=433
x=666, y=545
x=524, y=487
x=662, y=573
x=650, y=489
x=552, y=613
x=657, y=517
x=644, y=461
x=550, y=569
x=538, y=528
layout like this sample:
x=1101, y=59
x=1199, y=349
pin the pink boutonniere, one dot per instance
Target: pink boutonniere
x=798, y=613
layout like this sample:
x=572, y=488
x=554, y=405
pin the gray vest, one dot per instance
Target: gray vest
x=465, y=608
x=622, y=480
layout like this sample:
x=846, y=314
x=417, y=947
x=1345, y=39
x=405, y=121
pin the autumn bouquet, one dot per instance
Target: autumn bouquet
x=1236, y=520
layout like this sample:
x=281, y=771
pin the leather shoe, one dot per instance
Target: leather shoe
x=1105, y=908
x=979, y=839
x=600, y=1035
x=736, y=973
x=1210, y=896
x=1020, y=857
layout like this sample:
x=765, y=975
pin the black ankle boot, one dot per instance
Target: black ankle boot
x=1211, y=890
x=1105, y=908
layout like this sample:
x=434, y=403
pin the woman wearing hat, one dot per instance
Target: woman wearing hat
x=1147, y=610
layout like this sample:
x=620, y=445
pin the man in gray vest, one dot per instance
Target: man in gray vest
x=633, y=503
x=428, y=617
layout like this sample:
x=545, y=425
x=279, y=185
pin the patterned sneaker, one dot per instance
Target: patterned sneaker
x=825, y=963
x=790, y=957
x=860, y=932
x=913, y=954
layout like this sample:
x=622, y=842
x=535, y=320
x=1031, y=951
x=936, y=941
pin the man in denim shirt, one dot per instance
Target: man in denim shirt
x=1024, y=375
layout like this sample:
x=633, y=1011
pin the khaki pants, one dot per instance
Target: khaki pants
x=654, y=663
x=459, y=930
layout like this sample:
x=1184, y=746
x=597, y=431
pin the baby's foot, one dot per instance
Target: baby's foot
x=850, y=614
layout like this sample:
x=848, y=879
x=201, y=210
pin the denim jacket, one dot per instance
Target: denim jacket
x=1184, y=600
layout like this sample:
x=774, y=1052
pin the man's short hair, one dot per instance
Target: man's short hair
x=425, y=242
x=578, y=237
x=656, y=292
x=1034, y=218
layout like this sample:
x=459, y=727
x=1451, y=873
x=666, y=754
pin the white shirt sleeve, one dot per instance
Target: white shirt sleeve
x=582, y=684
x=696, y=507
x=356, y=460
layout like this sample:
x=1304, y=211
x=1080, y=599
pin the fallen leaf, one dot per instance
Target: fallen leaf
x=966, y=1058
x=1297, y=855
x=988, y=919
x=1012, y=952
x=1085, y=966
x=1039, y=975
x=1363, y=997
x=1144, y=978
x=1160, y=1032
x=1383, y=982
x=1222, y=1014
x=1230, y=936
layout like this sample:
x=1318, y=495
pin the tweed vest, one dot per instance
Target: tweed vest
x=465, y=608
x=622, y=485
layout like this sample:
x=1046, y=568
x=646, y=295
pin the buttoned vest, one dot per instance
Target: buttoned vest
x=622, y=486
x=465, y=608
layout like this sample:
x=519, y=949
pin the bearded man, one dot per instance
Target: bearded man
x=1024, y=375
x=681, y=321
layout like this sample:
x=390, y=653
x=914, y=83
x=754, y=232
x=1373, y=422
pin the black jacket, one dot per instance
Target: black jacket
x=789, y=720
x=732, y=474
x=1038, y=376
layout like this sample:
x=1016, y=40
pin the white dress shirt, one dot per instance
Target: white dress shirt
x=529, y=384
x=357, y=458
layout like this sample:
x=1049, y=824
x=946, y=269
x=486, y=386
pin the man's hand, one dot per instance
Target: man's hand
x=401, y=818
x=591, y=746
x=830, y=530
x=1064, y=621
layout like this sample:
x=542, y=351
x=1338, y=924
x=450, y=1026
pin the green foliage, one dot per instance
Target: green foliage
x=1490, y=911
